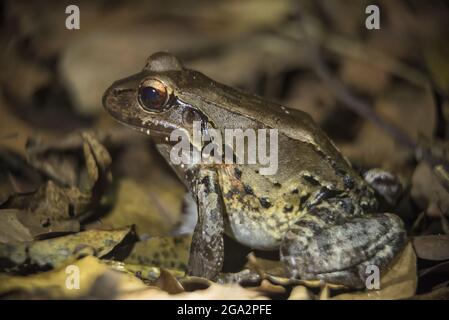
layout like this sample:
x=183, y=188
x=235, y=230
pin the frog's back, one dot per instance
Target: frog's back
x=292, y=123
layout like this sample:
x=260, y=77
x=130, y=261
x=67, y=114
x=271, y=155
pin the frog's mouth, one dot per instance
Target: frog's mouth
x=132, y=116
x=158, y=136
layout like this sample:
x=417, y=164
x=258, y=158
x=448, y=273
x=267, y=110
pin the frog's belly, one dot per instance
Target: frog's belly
x=256, y=233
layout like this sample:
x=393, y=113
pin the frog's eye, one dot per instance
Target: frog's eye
x=153, y=95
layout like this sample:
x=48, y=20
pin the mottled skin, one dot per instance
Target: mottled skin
x=315, y=208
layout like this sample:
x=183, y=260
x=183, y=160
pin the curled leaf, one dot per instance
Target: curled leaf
x=168, y=283
x=55, y=252
x=432, y=247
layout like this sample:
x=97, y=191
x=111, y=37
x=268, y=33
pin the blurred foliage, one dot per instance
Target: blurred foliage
x=78, y=189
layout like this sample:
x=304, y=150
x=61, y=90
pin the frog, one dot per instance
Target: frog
x=316, y=210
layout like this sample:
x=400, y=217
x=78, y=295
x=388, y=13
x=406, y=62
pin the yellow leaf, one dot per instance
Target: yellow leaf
x=52, y=284
x=56, y=251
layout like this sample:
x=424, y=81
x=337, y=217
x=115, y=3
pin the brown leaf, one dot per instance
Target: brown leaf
x=96, y=281
x=11, y=229
x=265, y=266
x=17, y=221
x=16, y=175
x=428, y=193
x=141, y=271
x=60, y=159
x=152, y=208
x=432, y=247
x=58, y=208
x=52, y=204
x=269, y=289
x=168, y=283
x=163, y=252
x=214, y=292
x=55, y=252
x=300, y=293
x=324, y=293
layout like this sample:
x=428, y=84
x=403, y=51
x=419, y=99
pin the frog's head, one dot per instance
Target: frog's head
x=162, y=97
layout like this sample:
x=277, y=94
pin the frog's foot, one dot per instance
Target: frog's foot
x=385, y=183
x=328, y=246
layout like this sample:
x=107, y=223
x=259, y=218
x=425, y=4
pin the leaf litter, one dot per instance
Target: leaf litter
x=77, y=190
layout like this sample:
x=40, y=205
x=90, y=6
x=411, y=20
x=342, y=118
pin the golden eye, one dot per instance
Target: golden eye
x=153, y=95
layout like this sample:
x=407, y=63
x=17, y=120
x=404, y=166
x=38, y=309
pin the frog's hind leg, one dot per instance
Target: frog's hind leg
x=337, y=248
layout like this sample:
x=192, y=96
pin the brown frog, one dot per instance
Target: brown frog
x=315, y=209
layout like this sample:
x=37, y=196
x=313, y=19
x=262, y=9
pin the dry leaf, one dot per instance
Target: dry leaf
x=55, y=252
x=58, y=208
x=300, y=293
x=324, y=293
x=268, y=289
x=148, y=207
x=143, y=272
x=214, y=292
x=168, y=283
x=265, y=266
x=428, y=193
x=432, y=247
x=23, y=226
x=11, y=229
x=52, y=284
x=163, y=252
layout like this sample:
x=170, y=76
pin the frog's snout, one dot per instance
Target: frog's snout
x=115, y=97
x=106, y=94
x=121, y=92
x=110, y=96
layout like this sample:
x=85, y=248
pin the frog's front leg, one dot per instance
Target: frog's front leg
x=207, y=248
x=331, y=245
